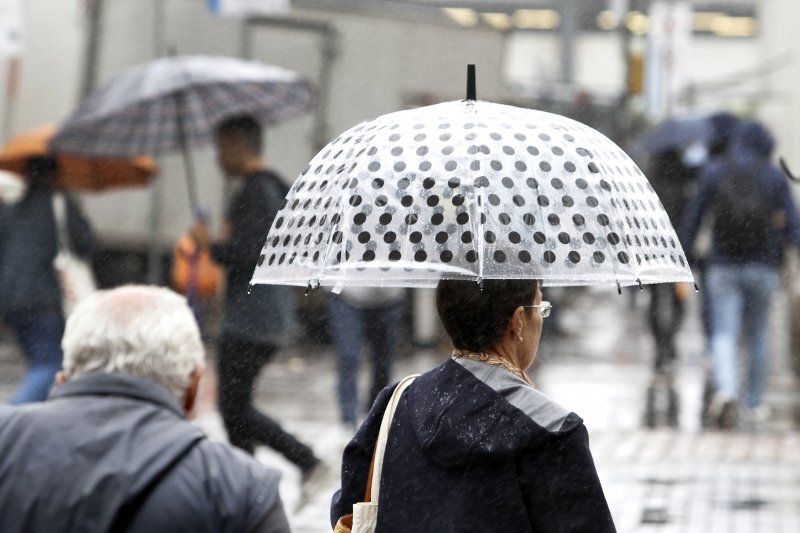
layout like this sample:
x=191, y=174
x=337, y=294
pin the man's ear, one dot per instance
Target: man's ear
x=61, y=377
x=190, y=400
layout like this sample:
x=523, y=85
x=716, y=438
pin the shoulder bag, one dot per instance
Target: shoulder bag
x=75, y=275
x=365, y=514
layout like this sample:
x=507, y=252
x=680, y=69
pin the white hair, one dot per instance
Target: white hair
x=145, y=331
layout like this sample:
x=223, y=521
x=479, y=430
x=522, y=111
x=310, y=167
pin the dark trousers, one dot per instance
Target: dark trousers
x=666, y=315
x=238, y=365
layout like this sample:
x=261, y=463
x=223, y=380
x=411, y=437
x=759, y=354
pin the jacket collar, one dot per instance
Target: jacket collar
x=118, y=384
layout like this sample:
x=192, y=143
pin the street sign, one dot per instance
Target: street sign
x=244, y=8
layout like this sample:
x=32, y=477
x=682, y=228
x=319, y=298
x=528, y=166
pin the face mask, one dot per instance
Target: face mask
x=694, y=155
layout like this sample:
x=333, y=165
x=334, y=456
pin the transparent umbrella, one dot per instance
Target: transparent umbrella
x=471, y=190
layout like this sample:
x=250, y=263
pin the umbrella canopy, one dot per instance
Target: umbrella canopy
x=471, y=190
x=86, y=173
x=171, y=102
x=679, y=134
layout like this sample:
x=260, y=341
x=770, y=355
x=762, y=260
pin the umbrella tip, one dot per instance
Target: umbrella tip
x=471, y=91
x=696, y=288
x=619, y=288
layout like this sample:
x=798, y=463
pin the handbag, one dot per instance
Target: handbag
x=75, y=276
x=365, y=514
x=193, y=269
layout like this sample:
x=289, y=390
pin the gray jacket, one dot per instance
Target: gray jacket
x=114, y=452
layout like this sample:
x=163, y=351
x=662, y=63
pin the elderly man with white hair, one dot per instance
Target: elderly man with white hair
x=112, y=449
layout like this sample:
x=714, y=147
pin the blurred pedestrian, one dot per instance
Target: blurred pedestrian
x=672, y=174
x=359, y=316
x=111, y=449
x=30, y=294
x=753, y=216
x=257, y=320
x=473, y=445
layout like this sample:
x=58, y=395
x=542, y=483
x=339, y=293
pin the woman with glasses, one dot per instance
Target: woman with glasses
x=473, y=446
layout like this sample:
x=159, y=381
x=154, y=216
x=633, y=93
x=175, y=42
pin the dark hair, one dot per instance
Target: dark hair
x=244, y=127
x=475, y=315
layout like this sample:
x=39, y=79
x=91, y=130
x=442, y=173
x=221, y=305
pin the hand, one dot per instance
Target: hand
x=201, y=235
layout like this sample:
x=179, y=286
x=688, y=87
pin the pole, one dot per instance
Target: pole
x=93, y=39
x=568, y=31
x=155, y=271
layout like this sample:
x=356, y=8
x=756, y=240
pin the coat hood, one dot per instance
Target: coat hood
x=458, y=418
x=753, y=139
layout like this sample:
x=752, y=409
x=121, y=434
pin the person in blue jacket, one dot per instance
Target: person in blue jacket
x=30, y=294
x=741, y=279
x=473, y=446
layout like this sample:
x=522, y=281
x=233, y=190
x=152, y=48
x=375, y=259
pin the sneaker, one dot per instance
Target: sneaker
x=722, y=412
x=314, y=479
x=755, y=418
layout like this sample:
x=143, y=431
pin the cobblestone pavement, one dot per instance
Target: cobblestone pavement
x=673, y=480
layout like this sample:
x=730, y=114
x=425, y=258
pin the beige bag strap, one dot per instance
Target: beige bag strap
x=383, y=435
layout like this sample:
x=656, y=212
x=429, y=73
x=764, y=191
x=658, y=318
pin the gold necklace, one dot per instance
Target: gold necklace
x=495, y=360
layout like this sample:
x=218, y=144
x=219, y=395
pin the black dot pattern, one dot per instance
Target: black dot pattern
x=471, y=190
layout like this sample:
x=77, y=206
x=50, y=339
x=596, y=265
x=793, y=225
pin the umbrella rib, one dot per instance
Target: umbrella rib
x=329, y=246
x=618, y=215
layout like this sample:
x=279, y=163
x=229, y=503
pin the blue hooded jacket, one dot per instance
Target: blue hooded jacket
x=751, y=147
x=474, y=448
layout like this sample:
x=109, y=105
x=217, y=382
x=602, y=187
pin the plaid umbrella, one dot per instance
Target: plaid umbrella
x=174, y=102
x=157, y=107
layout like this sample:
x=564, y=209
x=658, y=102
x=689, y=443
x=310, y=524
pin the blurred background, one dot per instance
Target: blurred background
x=620, y=66
x=617, y=65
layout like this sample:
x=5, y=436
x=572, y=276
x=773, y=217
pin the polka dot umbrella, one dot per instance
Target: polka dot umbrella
x=471, y=190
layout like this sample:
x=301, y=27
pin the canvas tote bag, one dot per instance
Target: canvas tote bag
x=74, y=273
x=365, y=514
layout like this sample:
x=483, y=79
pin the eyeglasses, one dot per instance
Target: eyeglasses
x=544, y=308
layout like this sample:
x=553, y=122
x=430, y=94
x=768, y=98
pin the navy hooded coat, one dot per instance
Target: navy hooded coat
x=474, y=448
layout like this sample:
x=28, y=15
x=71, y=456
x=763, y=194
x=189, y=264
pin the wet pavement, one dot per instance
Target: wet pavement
x=598, y=365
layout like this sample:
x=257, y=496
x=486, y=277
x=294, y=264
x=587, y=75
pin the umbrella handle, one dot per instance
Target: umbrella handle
x=786, y=170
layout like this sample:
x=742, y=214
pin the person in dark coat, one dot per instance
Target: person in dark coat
x=741, y=285
x=258, y=320
x=112, y=450
x=473, y=446
x=30, y=294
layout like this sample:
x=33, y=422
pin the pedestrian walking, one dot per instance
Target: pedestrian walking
x=753, y=217
x=257, y=320
x=673, y=172
x=30, y=293
x=111, y=449
x=473, y=445
x=362, y=316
